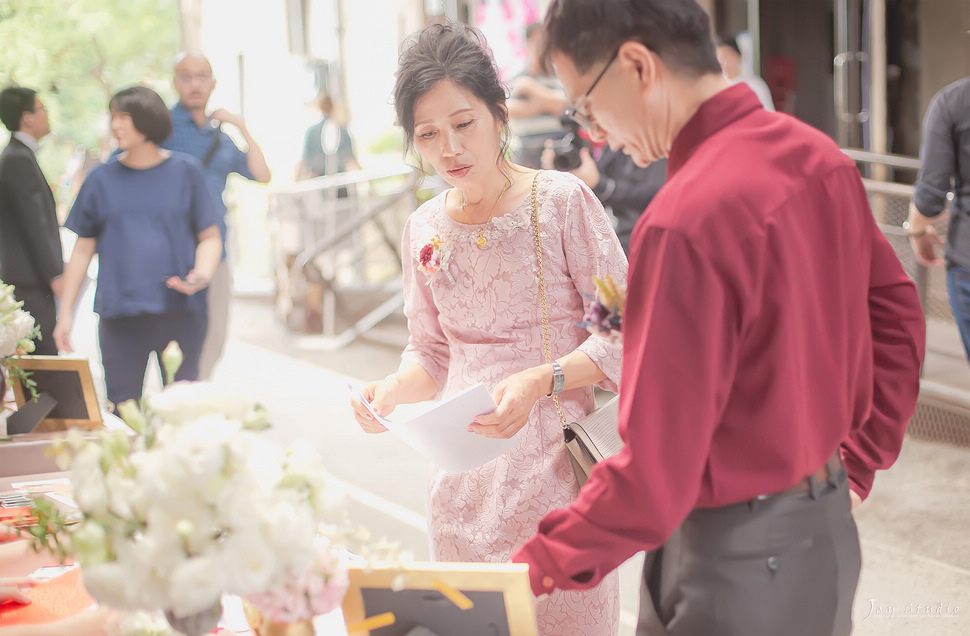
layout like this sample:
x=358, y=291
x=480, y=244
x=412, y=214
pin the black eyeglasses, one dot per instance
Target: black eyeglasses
x=577, y=112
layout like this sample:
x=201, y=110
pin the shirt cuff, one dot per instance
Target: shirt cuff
x=543, y=571
x=860, y=475
x=606, y=352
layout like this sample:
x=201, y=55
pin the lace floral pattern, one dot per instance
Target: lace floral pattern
x=503, y=226
x=484, y=327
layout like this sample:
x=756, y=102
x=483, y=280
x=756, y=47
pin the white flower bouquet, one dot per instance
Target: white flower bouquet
x=17, y=335
x=196, y=505
x=17, y=329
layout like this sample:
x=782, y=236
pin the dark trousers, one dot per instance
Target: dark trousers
x=785, y=564
x=127, y=342
x=39, y=301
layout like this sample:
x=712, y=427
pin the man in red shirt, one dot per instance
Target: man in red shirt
x=772, y=343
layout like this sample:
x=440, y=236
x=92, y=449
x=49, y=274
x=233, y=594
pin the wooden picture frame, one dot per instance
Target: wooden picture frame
x=437, y=596
x=69, y=381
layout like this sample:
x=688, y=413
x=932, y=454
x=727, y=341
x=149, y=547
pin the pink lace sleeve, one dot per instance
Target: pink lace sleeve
x=427, y=345
x=592, y=249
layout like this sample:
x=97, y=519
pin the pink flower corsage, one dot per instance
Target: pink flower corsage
x=429, y=258
x=433, y=258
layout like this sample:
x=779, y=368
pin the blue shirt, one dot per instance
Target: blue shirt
x=189, y=138
x=146, y=223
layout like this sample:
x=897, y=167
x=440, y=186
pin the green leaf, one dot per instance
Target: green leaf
x=77, y=54
x=23, y=377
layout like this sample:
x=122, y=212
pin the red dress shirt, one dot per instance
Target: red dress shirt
x=768, y=323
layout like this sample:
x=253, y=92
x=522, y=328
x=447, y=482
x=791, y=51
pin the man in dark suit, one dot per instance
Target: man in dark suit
x=30, y=245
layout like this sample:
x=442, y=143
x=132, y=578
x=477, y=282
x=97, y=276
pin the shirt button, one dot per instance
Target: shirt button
x=547, y=582
x=773, y=563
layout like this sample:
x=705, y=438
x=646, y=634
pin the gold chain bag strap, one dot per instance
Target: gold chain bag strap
x=583, y=452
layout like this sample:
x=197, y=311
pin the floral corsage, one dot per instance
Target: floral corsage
x=433, y=258
x=605, y=316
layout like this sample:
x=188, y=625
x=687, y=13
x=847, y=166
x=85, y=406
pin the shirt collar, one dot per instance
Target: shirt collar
x=181, y=116
x=27, y=140
x=724, y=108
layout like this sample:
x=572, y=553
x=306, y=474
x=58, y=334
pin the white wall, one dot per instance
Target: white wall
x=278, y=85
x=371, y=44
x=275, y=84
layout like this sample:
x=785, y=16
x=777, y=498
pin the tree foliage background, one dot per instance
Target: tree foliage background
x=76, y=54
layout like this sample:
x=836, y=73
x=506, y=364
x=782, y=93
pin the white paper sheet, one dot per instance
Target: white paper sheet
x=441, y=433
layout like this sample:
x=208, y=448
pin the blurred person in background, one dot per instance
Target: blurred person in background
x=536, y=105
x=945, y=168
x=622, y=187
x=30, y=243
x=732, y=63
x=327, y=146
x=151, y=218
x=200, y=135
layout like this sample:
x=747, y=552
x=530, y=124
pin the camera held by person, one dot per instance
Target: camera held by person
x=622, y=187
x=566, y=151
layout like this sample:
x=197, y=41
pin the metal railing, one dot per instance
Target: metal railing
x=943, y=411
x=893, y=161
x=336, y=245
x=890, y=205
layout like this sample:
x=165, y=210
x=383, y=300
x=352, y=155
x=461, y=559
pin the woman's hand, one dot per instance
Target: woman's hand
x=62, y=333
x=8, y=533
x=515, y=396
x=383, y=397
x=411, y=383
x=13, y=590
x=96, y=622
x=190, y=285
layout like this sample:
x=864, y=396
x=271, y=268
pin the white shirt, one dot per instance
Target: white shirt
x=27, y=140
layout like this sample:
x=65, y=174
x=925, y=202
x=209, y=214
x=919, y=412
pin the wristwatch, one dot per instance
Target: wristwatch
x=558, y=379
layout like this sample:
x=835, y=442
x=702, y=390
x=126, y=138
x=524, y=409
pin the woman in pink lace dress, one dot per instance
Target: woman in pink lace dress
x=472, y=302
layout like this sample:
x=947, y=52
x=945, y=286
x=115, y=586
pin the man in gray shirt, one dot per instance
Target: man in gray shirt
x=945, y=157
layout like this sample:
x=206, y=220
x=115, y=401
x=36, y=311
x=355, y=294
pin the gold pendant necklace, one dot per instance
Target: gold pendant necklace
x=481, y=240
